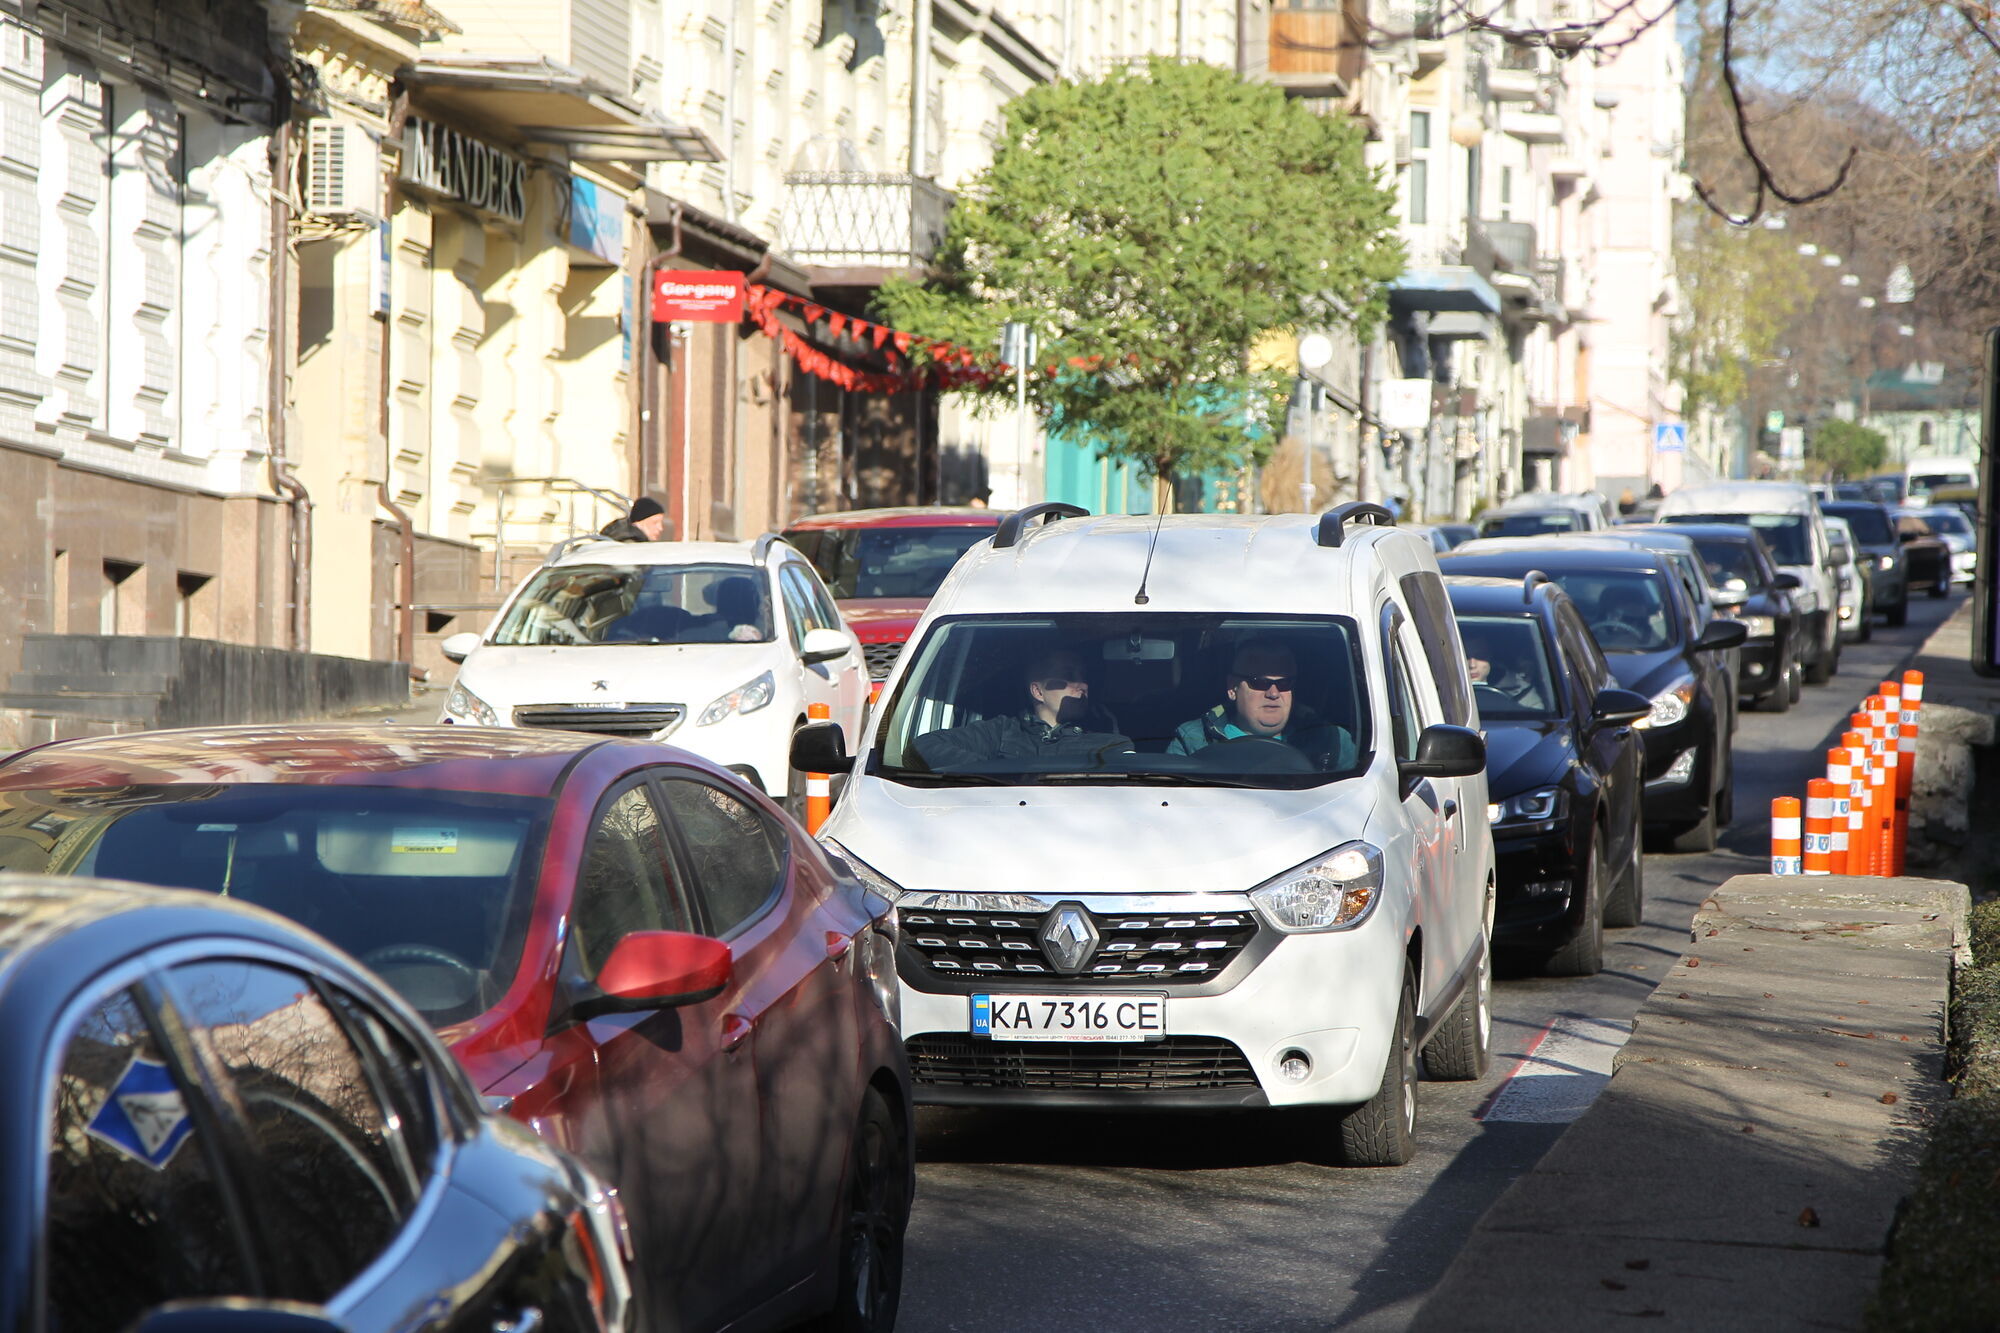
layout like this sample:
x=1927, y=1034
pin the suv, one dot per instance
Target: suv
x=717, y=646
x=1183, y=813
x=882, y=565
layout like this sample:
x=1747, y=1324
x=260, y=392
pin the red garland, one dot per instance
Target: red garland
x=761, y=310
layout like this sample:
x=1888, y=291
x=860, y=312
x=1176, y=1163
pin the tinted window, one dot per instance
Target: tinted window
x=1534, y=524
x=576, y=604
x=403, y=1078
x=1948, y=520
x=1509, y=662
x=1788, y=535
x=1869, y=523
x=737, y=853
x=627, y=882
x=330, y=1190
x=1404, y=717
x=892, y=562
x=1430, y=613
x=1626, y=612
x=135, y=1215
x=1726, y=560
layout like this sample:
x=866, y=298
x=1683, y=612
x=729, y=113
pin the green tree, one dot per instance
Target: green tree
x=1150, y=226
x=1848, y=450
x=1741, y=288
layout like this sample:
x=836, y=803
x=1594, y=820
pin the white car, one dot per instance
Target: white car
x=1184, y=814
x=716, y=647
x=1853, y=584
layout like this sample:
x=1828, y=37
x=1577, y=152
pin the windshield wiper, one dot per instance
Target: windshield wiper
x=1140, y=778
x=916, y=778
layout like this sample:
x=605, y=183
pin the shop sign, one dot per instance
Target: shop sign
x=457, y=166
x=597, y=220
x=698, y=296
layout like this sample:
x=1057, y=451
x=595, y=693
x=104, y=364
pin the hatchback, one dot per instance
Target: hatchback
x=629, y=949
x=208, y=1105
x=1750, y=588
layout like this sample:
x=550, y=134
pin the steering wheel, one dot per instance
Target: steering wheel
x=391, y=955
x=1261, y=754
x=1618, y=632
x=1482, y=690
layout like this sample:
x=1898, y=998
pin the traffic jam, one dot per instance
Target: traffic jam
x=581, y=1009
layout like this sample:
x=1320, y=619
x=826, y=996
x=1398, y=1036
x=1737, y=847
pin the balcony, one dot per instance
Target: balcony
x=1519, y=74
x=1449, y=268
x=1318, y=50
x=1532, y=126
x=865, y=223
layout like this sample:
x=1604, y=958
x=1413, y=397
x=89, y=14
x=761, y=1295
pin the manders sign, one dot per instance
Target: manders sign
x=698, y=296
x=457, y=166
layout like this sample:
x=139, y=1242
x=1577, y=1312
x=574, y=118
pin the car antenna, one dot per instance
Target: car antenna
x=1139, y=598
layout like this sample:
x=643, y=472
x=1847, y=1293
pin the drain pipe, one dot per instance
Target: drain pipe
x=406, y=575
x=279, y=345
x=651, y=430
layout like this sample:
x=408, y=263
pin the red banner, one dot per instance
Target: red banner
x=698, y=295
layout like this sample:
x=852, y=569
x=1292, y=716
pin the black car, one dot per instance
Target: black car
x=1879, y=553
x=1565, y=771
x=211, y=1107
x=1751, y=589
x=1641, y=617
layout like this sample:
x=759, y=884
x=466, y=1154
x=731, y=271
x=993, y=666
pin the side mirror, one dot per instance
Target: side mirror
x=1907, y=537
x=823, y=645
x=1787, y=581
x=1614, y=707
x=458, y=647
x=657, y=969
x=818, y=747
x=237, y=1316
x=1721, y=634
x=1445, y=751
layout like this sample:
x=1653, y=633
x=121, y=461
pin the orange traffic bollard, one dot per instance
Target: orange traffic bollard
x=1856, y=746
x=819, y=787
x=1884, y=745
x=1840, y=773
x=1817, y=854
x=1785, y=835
x=1906, y=756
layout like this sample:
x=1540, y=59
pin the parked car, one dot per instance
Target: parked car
x=1681, y=554
x=1245, y=864
x=627, y=947
x=1642, y=619
x=1926, y=557
x=1539, y=513
x=718, y=646
x=1565, y=771
x=1455, y=533
x=1873, y=527
x=882, y=565
x=1748, y=587
x=1854, y=607
x=1955, y=530
x=1789, y=518
x=209, y=1105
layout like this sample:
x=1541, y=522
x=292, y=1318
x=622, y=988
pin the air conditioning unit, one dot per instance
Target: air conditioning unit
x=343, y=169
x=1404, y=152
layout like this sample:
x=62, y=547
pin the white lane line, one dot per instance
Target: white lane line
x=1561, y=1073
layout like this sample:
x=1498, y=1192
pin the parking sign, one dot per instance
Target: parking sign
x=1670, y=437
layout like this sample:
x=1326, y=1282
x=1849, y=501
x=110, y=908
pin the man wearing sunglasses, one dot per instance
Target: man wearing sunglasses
x=1260, y=703
x=1052, y=730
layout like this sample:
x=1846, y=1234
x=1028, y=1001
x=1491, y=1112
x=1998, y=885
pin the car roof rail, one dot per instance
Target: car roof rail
x=1335, y=519
x=1529, y=581
x=568, y=544
x=762, y=546
x=1049, y=511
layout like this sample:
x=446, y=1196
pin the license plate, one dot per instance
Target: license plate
x=1070, y=1017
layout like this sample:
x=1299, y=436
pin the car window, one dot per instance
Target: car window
x=735, y=851
x=1582, y=656
x=628, y=880
x=825, y=614
x=1430, y=614
x=798, y=605
x=893, y=562
x=328, y=1187
x=1627, y=611
x=1403, y=715
x=1790, y=536
x=135, y=1214
x=1508, y=658
x=646, y=604
x=404, y=1079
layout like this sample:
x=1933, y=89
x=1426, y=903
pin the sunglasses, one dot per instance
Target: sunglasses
x=1282, y=684
x=1061, y=683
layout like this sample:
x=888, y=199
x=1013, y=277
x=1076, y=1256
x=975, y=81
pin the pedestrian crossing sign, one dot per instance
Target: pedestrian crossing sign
x=1670, y=437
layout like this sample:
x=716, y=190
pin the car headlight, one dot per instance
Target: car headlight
x=466, y=706
x=1541, y=806
x=1669, y=705
x=745, y=698
x=1334, y=892
x=871, y=879
x=1885, y=562
x=1759, y=627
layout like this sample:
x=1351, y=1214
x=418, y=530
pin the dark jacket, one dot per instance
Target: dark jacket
x=1325, y=744
x=1021, y=736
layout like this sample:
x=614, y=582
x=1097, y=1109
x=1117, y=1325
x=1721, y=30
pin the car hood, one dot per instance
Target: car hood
x=1648, y=673
x=1069, y=840
x=1524, y=755
x=883, y=619
x=690, y=674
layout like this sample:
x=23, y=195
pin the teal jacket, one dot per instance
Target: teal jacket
x=1327, y=744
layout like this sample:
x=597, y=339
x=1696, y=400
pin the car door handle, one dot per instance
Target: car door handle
x=527, y=1320
x=837, y=945
x=735, y=1029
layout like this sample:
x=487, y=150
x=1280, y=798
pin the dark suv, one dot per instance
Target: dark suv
x=1748, y=586
x=1879, y=554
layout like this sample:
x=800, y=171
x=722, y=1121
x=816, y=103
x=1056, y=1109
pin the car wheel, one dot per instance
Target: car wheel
x=1582, y=955
x=1866, y=631
x=1821, y=670
x=872, y=1226
x=1464, y=1042
x=1942, y=588
x=1382, y=1131
x=1627, y=904
x=1700, y=838
x=1795, y=684
x=1779, y=700
x=1898, y=615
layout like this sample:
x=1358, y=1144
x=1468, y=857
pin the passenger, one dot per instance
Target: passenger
x=1488, y=663
x=1262, y=689
x=1049, y=731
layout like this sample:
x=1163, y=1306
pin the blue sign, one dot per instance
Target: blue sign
x=982, y=1015
x=1670, y=437
x=145, y=1116
x=596, y=220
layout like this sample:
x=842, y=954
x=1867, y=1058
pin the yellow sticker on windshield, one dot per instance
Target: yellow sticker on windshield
x=427, y=838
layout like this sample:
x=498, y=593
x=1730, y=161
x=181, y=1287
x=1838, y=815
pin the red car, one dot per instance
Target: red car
x=882, y=565
x=626, y=947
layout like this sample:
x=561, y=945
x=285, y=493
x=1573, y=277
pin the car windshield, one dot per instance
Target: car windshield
x=1627, y=612
x=1508, y=660
x=1930, y=481
x=1202, y=700
x=432, y=889
x=1948, y=520
x=603, y=604
x=1729, y=561
x=1533, y=524
x=1869, y=524
x=891, y=562
x=1788, y=535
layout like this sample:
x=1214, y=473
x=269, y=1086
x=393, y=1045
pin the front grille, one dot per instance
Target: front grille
x=1149, y=948
x=1171, y=1064
x=881, y=658
x=629, y=720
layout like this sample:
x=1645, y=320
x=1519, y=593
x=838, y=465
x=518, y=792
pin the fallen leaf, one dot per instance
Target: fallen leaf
x=1807, y=1217
x=1887, y=1099
x=1638, y=967
x=1638, y=1265
x=1694, y=962
x=1769, y=996
x=1902, y=1039
x=1749, y=1129
x=1840, y=1064
x=1685, y=996
x=1712, y=933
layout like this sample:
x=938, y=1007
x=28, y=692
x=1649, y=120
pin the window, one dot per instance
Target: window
x=59, y=593
x=330, y=1187
x=1506, y=193
x=1417, y=182
x=892, y=562
x=194, y=605
x=1404, y=719
x=572, y=604
x=737, y=855
x=1511, y=660
x=1430, y=613
x=136, y=1213
x=122, y=603
x=798, y=605
x=403, y=1080
x=627, y=882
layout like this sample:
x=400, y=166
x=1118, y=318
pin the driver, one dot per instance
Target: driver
x=1050, y=730
x=1260, y=704
x=1486, y=665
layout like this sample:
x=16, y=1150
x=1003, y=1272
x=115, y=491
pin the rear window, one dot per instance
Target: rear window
x=1528, y=525
x=890, y=562
x=1869, y=524
x=1788, y=535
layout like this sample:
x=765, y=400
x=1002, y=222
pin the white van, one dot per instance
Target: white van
x=1546, y=513
x=1787, y=515
x=1925, y=473
x=1183, y=813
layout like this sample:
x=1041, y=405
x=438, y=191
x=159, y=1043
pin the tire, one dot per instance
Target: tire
x=1795, y=686
x=1779, y=700
x=1627, y=904
x=874, y=1214
x=1898, y=615
x=1941, y=589
x=1702, y=837
x=1382, y=1130
x=1867, y=630
x=1464, y=1041
x=1820, y=671
x=1582, y=954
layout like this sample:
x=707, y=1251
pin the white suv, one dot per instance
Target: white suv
x=1183, y=813
x=718, y=647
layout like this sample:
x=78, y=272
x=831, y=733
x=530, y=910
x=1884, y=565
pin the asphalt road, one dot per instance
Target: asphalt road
x=1070, y=1221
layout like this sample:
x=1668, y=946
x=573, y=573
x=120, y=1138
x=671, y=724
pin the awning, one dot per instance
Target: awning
x=550, y=103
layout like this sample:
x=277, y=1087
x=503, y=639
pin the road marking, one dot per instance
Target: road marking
x=1560, y=1074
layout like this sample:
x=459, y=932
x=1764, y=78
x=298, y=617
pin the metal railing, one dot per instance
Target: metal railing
x=891, y=219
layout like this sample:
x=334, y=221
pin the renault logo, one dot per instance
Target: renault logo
x=1069, y=938
x=601, y=685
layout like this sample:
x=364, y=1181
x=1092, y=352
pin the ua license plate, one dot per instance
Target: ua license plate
x=1070, y=1017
